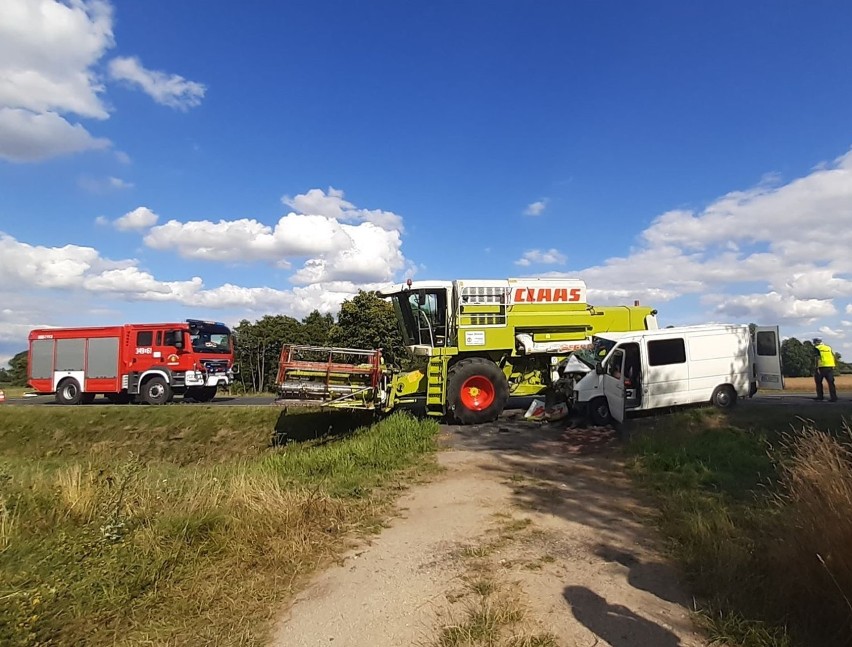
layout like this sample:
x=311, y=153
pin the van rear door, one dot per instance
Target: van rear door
x=767, y=358
x=613, y=383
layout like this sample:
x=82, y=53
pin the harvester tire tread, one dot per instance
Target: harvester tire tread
x=462, y=371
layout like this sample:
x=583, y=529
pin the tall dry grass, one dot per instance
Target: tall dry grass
x=760, y=520
x=812, y=557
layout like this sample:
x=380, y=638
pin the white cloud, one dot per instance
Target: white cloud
x=133, y=283
x=333, y=205
x=536, y=208
x=26, y=269
x=25, y=265
x=775, y=252
x=368, y=250
x=166, y=89
x=138, y=219
x=103, y=185
x=830, y=333
x=29, y=137
x=373, y=255
x=772, y=307
x=250, y=240
x=47, y=52
x=50, y=57
x=541, y=257
x=118, y=183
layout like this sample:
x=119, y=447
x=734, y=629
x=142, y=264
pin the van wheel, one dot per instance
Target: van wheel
x=69, y=392
x=156, y=391
x=477, y=391
x=599, y=412
x=724, y=397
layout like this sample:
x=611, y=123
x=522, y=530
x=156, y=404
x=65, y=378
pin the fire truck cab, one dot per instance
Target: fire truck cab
x=148, y=363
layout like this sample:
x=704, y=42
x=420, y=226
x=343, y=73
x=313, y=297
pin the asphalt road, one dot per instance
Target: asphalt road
x=48, y=400
x=790, y=398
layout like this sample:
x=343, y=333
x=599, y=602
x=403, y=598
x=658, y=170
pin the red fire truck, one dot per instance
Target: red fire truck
x=147, y=363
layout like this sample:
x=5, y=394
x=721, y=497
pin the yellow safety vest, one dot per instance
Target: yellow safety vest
x=826, y=356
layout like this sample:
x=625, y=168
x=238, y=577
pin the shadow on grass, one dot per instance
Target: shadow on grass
x=300, y=424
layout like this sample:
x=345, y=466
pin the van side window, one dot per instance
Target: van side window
x=145, y=338
x=614, y=364
x=766, y=343
x=663, y=352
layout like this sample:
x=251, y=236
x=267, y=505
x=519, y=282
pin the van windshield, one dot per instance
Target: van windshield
x=600, y=349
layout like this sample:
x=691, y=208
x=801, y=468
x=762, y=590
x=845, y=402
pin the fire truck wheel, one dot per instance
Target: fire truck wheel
x=599, y=412
x=477, y=391
x=724, y=396
x=156, y=391
x=69, y=392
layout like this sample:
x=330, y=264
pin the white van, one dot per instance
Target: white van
x=651, y=369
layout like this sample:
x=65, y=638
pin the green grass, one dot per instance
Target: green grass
x=14, y=391
x=732, y=490
x=180, y=525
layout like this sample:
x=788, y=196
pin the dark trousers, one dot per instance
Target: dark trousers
x=828, y=373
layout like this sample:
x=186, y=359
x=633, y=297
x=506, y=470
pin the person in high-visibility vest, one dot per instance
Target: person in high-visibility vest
x=824, y=370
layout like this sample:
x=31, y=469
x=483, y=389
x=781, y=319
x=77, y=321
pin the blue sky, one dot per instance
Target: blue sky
x=160, y=160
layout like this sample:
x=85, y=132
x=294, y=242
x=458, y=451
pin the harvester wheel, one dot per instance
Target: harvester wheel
x=477, y=391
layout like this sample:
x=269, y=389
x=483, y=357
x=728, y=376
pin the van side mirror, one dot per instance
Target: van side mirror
x=599, y=369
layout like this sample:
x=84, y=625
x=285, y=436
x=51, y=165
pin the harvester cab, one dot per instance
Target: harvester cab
x=423, y=314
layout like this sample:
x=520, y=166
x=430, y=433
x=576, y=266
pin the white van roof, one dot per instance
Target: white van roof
x=674, y=330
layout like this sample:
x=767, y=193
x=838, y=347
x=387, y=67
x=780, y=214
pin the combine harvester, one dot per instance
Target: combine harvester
x=476, y=342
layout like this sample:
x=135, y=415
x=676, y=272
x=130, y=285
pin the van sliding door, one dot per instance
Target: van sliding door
x=767, y=358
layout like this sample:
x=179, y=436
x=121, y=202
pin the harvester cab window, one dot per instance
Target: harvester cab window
x=429, y=310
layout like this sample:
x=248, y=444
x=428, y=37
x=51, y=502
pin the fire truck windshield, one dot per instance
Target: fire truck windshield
x=422, y=316
x=205, y=341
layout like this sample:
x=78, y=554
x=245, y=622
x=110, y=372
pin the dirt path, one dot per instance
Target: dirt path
x=531, y=533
